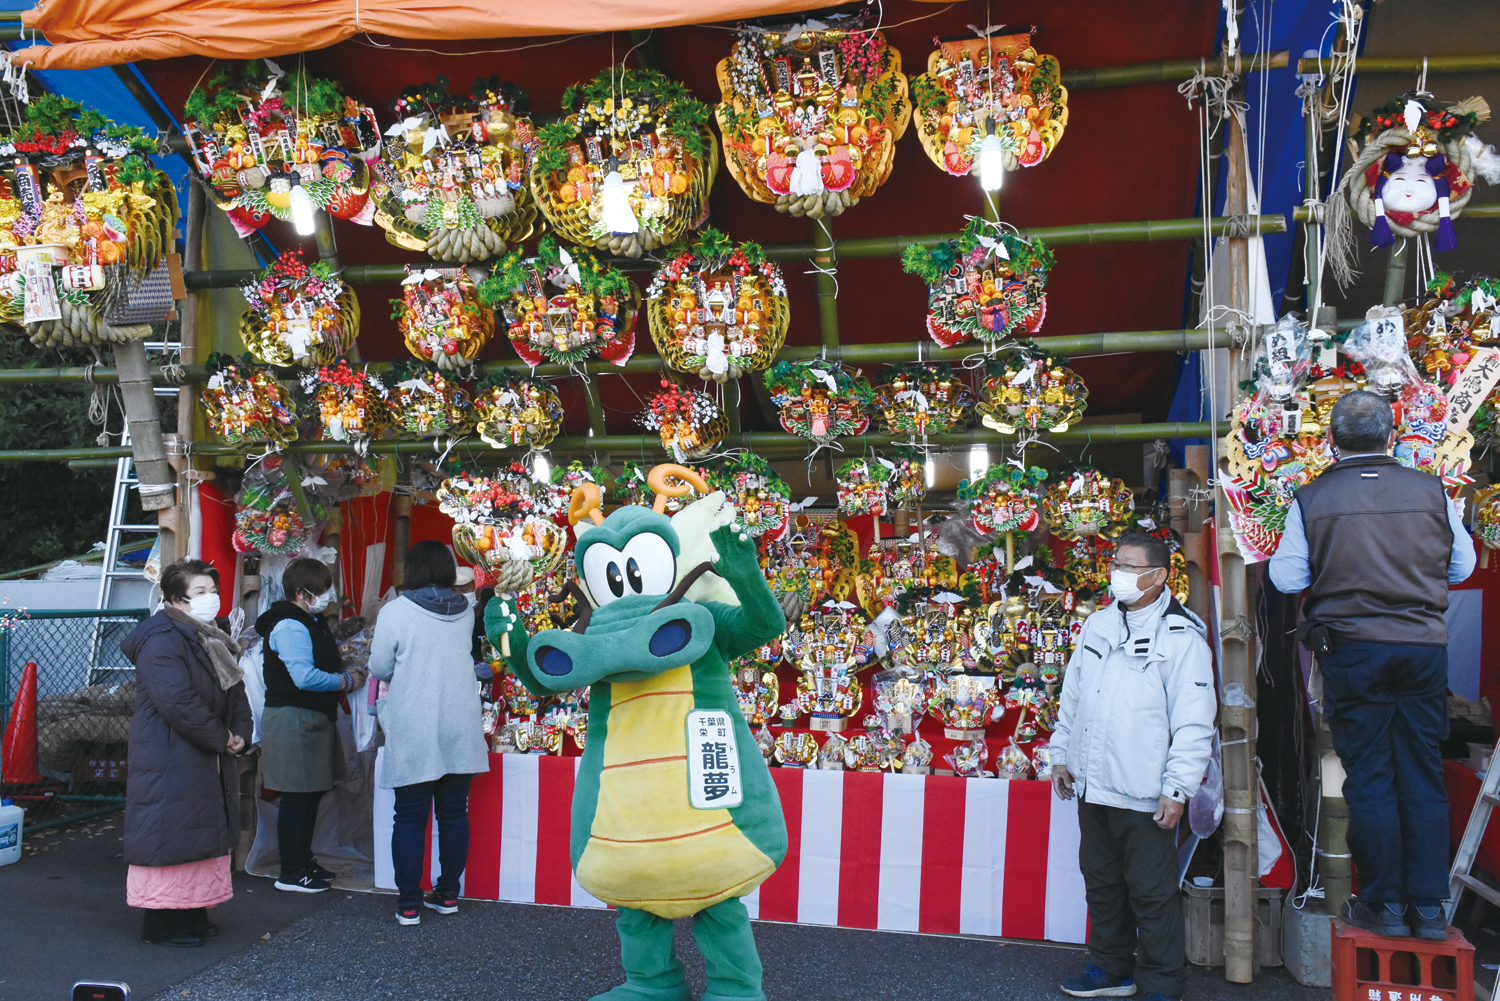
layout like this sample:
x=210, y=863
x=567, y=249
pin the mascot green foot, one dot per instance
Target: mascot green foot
x=654, y=973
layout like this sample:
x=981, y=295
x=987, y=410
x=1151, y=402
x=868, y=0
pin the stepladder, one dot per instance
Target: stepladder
x=1461, y=875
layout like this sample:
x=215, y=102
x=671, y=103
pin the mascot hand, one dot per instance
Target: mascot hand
x=735, y=550
x=500, y=617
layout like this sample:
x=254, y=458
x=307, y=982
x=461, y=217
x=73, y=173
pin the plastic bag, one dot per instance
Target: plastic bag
x=1206, y=808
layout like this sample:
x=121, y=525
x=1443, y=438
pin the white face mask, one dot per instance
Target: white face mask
x=1122, y=584
x=471, y=598
x=321, y=601
x=204, y=607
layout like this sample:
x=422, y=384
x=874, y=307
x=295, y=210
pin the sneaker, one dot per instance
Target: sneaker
x=306, y=883
x=443, y=903
x=1428, y=923
x=1163, y=997
x=1095, y=983
x=322, y=873
x=408, y=915
x=1375, y=918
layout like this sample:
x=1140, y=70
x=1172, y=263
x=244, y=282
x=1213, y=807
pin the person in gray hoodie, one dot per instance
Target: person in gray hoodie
x=1134, y=733
x=434, y=737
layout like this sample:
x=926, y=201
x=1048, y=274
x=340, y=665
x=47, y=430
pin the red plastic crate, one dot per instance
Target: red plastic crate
x=1369, y=967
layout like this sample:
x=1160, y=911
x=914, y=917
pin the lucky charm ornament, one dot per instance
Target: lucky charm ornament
x=1086, y=502
x=298, y=313
x=986, y=285
x=718, y=310
x=497, y=526
x=270, y=145
x=691, y=424
x=819, y=400
x=454, y=182
x=921, y=398
x=1004, y=499
x=863, y=486
x=440, y=317
x=810, y=113
x=351, y=405
x=1033, y=390
x=989, y=99
x=515, y=410
x=1412, y=177
x=423, y=403
x=629, y=167
x=563, y=306
x=762, y=496
x=243, y=403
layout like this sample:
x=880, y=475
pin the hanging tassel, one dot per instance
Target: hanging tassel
x=1446, y=240
x=1380, y=233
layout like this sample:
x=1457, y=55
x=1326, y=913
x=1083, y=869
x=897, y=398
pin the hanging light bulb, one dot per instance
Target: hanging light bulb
x=541, y=469
x=614, y=205
x=302, y=208
x=991, y=161
x=931, y=471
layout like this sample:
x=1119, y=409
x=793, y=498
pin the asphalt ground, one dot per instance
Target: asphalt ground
x=65, y=919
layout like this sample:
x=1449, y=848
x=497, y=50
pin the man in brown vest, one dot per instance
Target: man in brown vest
x=1376, y=545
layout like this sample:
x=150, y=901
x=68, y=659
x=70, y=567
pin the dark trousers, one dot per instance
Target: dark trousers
x=1388, y=710
x=1135, y=915
x=446, y=799
x=296, y=819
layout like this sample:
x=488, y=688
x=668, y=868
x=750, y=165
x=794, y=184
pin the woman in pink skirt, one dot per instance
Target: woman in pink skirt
x=182, y=816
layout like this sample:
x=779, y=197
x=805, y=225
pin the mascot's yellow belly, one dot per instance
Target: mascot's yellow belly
x=649, y=848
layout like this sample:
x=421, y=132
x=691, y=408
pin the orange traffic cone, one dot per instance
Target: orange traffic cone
x=18, y=758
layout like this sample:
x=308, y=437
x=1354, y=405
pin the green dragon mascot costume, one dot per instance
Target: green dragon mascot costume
x=674, y=811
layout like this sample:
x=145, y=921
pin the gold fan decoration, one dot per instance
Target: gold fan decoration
x=920, y=398
x=976, y=86
x=810, y=118
x=85, y=220
x=454, y=180
x=514, y=410
x=270, y=144
x=629, y=167
x=1031, y=389
x=718, y=310
x=440, y=317
x=298, y=313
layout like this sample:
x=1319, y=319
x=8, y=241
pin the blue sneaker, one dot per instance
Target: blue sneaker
x=1163, y=997
x=1095, y=983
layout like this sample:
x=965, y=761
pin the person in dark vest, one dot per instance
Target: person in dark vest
x=182, y=805
x=300, y=753
x=1376, y=545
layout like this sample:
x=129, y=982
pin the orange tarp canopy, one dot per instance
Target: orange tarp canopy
x=89, y=33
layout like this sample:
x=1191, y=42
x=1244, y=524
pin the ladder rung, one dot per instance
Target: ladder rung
x=1491, y=799
x=1483, y=889
x=136, y=528
x=118, y=574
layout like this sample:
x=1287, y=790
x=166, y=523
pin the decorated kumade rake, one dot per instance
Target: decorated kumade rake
x=964, y=704
x=440, y=317
x=978, y=87
x=454, y=182
x=270, y=145
x=514, y=410
x=563, y=307
x=986, y=285
x=810, y=114
x=819, y=400
x=85, y=220
x=1487, y=520
x=690, y=423
x=496, y=525
x=272, y=515
x=762, y=497
x=1427, y=439
x=1414, y=173
x=922, y=398
x=1004, y=499
x=864, y=486
x=756, y=686
x=298, y=314
x=1086, y=502
x=908, y=481
x=244, y=404
x=423, y=403
x=1446, y=326
x=629, y=167
x=350, y=405
x=1031, y=390
x=718, y=310
x=827, y=649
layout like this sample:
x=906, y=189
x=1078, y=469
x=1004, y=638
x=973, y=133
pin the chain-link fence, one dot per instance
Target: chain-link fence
x=85, y=692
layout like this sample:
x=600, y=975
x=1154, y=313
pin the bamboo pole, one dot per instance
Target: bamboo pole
x=1395, y=272
x=1487, y=211
x=761, y=442
x=1237, y=723
x=1484, y=62
x=1071, y=345
x=824, y=261
x=1145, y=231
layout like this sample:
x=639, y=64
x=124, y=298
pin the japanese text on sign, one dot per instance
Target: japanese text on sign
x=713, y=760
x=1473, y=385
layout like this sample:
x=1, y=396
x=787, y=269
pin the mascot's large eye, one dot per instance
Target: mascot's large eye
x=603, y=573
x=650, y=567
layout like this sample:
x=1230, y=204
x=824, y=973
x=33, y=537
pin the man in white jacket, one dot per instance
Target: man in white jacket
x=1134, y=733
